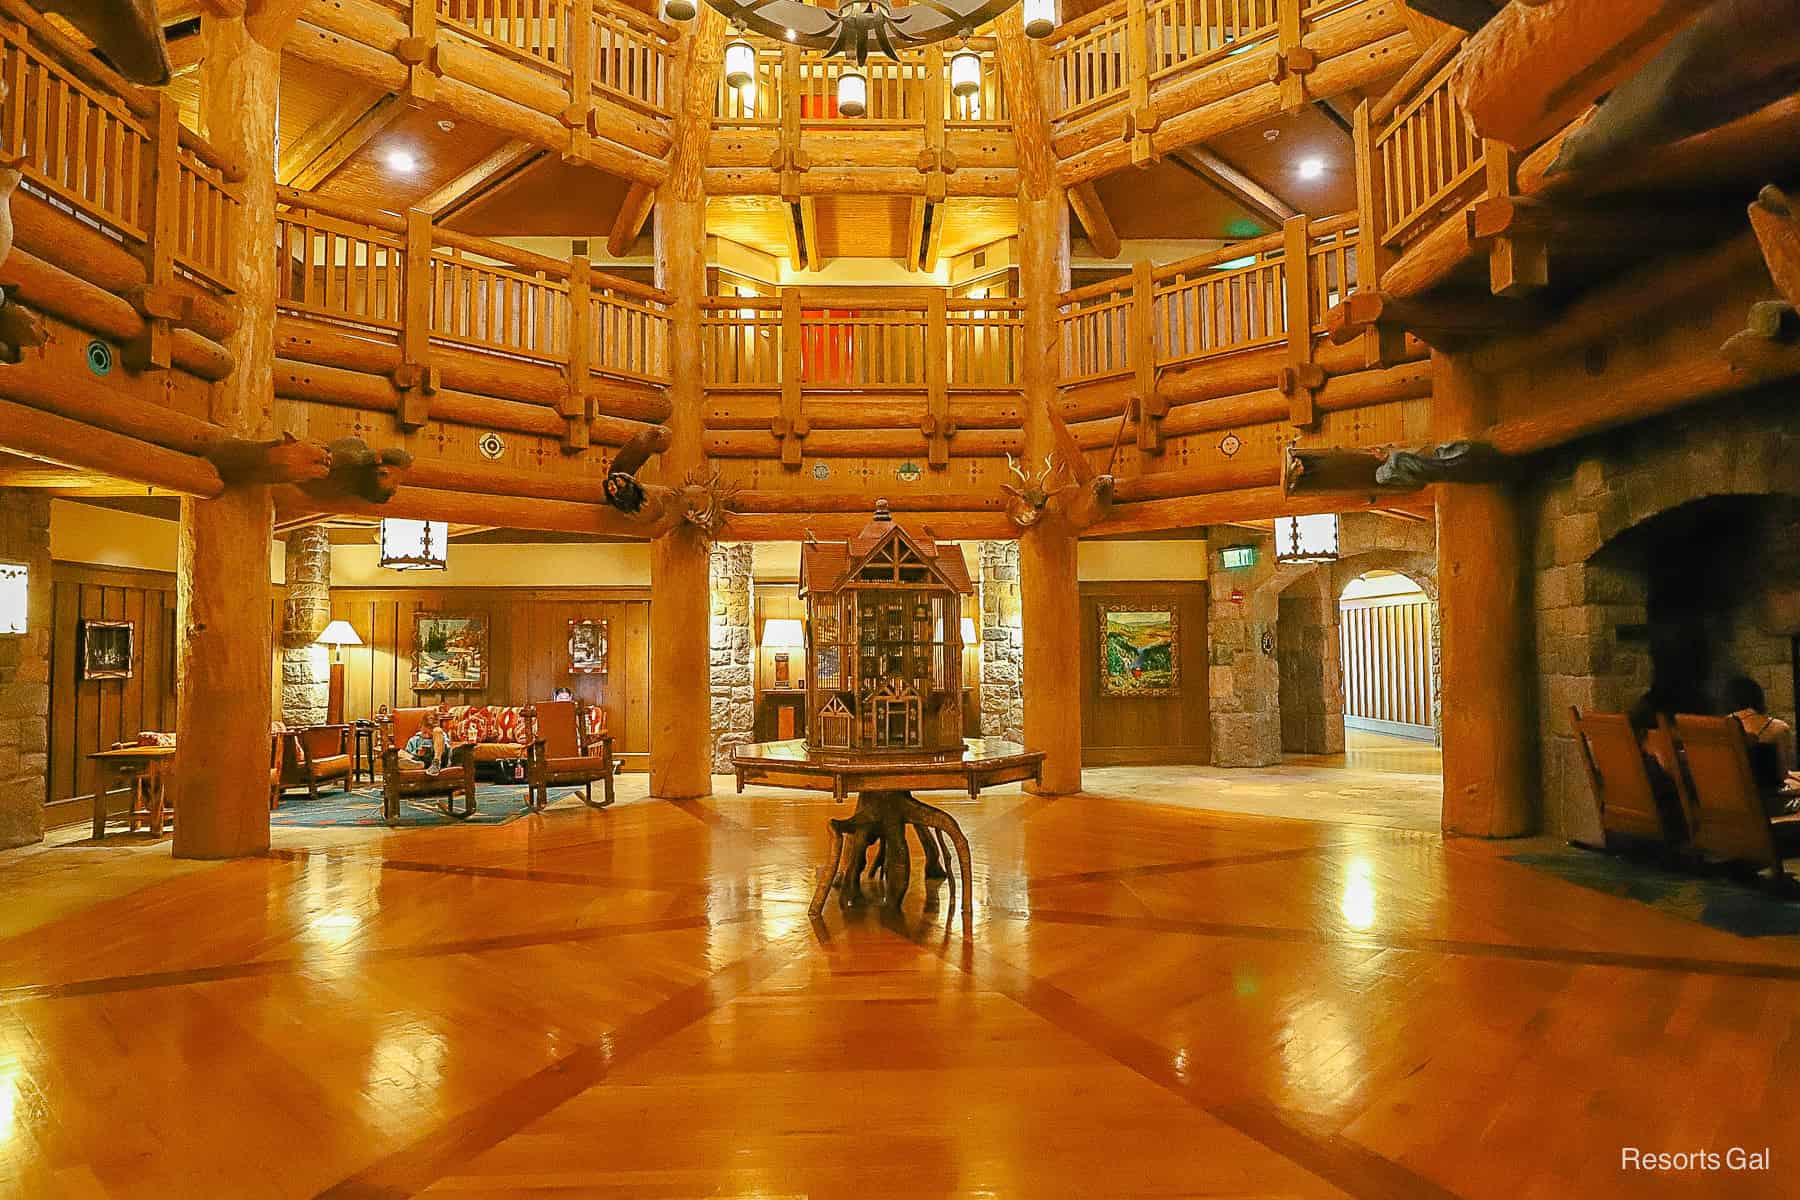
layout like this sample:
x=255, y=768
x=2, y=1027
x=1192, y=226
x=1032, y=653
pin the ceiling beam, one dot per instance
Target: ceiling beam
x=1085, y=200
x=329, y=145
x=1329, y=110
x=1210, y=168
x=633, y=212
x=790, y=234
x=809, y=233
x=508, y=158
x=934, y=239
x=917, y=221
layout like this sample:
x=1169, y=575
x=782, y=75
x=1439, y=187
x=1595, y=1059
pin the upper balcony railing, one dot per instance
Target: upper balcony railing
x=1429, y=160
x=117, y=155
x=1229, y=300
x=877, y=345
x=802, y=86
x=478, y=294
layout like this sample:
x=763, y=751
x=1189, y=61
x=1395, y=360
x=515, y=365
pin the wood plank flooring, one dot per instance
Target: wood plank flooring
x=1157, y=1000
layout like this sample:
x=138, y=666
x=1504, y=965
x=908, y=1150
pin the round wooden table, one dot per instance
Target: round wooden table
x=885, y=806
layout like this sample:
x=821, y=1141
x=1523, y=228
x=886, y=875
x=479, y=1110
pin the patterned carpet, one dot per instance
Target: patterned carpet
x=495, y=804
x=1741, y=907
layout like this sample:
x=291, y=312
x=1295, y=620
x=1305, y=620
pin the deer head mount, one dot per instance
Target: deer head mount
x=1058, y=489
x=1027, y=500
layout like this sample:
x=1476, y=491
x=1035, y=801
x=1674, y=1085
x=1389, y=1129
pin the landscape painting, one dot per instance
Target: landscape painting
x=1139, y=650
x=449, y=653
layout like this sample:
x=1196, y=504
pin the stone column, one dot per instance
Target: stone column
x=306, y=610
x=733, y=692
x=1489, y=755
x=1002, y=643
x=223, y=707
x=25, y=671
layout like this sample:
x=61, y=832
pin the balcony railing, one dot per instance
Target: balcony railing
x=481, y=295
x=1229, y=300
x=116, y=155
x=1429, y=160
x=909, y=94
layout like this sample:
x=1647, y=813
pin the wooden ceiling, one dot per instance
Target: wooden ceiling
x=759, y=222
x=546, y=198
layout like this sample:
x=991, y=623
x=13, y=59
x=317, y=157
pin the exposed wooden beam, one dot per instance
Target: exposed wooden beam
x=633, y=212
x=1428, y=18
x=1085, y=200
x=1210, y=168
x=506, y=160
x=312, y=161
x=186, y=52
x=809, y=233
x=1329, y=110
x=917, y=219
x=934, y=238
x=790, y=235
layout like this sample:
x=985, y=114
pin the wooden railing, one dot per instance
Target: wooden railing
x=877, y=345
x=1428, y=160
x=596, y=44
x=1228, y=300
x=480, y=295
x=116, y=155
x=1120, y=52
x=802, y=86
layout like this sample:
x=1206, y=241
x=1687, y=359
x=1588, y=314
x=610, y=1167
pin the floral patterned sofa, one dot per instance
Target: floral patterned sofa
x=497, y=731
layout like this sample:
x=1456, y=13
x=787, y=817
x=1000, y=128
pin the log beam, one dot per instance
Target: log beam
x=1214, y=171
x=1085, y=200
x=634, y=210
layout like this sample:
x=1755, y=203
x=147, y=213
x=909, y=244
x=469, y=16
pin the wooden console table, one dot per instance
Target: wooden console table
x=124, y=765
x=885, y=806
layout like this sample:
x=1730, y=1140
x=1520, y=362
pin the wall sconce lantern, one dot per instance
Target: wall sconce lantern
x=15, y=597
x=414, y=545
x=1307, y=539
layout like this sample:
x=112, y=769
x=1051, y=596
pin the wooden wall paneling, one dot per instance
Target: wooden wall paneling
x=1152, y=729
x=1386, y=648
x=64, y=698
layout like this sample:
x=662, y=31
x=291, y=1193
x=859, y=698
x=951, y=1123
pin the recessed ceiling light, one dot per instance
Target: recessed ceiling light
x=1312, y=168
x=791, y=35
x=1270, y=135
x=446, y=124
x=402, y=161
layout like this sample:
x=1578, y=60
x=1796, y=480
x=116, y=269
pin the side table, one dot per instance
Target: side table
x=362, y=752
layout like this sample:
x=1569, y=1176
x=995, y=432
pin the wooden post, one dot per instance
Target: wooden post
x=791, y=425
x=1293, y=61
x=1489, y=741
x=1151, y=408
x=414, y=377
x=581, y=352
x=790, y=125
x=416, y=51
x=937, y=147
x=1517, y=264
x=225, y=623
x=1142, y=119
x=157, y=302
x=938, y=427
x=579, y=115
x=1382, y=347
x=680, y=587
x=1300, y=379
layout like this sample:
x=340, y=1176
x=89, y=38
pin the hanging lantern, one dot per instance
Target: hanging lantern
x=852, y=93
x=1040, y=17
x=1306, y=539
x=414, y=545
x=740, y=64
x=679, y=10
x=965, y=73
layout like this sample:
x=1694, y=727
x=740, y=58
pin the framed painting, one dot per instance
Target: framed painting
x=450, y=654
x=587, y=646
x=1140, y=649
x=106, y=649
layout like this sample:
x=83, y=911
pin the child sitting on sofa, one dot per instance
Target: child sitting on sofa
x=430, y=747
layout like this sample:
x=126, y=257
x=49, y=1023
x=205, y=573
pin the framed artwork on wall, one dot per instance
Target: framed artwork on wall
x=587, y=646
x=1140, y=649
x=107, y=649
x=450, y=654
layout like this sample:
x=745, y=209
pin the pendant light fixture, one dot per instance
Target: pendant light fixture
x=965, y=73
x=852, y=93
x=1040, y=17
x=740, y=63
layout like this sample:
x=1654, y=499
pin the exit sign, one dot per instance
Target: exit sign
x=1235, y=558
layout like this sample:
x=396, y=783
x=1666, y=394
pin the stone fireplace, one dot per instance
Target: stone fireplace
x=1669, y=559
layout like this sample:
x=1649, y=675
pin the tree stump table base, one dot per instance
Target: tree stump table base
x=884, y=816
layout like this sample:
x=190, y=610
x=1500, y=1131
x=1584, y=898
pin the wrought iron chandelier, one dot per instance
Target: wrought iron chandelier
x=857, y=28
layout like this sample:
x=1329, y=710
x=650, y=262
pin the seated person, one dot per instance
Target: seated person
x=430, y=747
x=1771, y=741
x=1660, y=769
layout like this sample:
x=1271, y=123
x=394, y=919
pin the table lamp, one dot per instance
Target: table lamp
x=782, y=634
x=338, y=633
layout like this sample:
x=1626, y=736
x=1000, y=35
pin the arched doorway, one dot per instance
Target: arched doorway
x=1387, y=649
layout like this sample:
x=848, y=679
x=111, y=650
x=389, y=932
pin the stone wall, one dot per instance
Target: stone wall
x=733, y=685
x=1247, y=655
x=25, y=671
x=305, y=611
x=1002, y=643
x=1590, y=598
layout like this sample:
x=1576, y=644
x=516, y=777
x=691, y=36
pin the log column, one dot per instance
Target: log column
x=680, y=576
x=1049, y=598
x=1489, y=763
x=223, y=704
x=305, y=611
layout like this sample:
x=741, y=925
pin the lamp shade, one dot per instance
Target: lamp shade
x=740, y=64
x=782, y=632
x=1040, y=17
x=965, y=73
x=339, y=633
x=852, y=94
x=679, y=10
x=408, y=545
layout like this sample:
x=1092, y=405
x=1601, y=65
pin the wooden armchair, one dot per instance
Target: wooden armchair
x=316, y=755
x=404, y=779
x=1622, y=791
x=1727, y=812
x=277, y=744
x=563, y=752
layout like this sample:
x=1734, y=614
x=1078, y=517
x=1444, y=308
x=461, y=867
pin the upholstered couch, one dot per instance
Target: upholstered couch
x=496, y=731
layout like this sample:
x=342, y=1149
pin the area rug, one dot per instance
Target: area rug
x=495, y=804
x=1735, y=906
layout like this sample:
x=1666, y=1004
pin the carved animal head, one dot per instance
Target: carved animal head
x=368, y=474
x=300, y=460
x=1026, y=500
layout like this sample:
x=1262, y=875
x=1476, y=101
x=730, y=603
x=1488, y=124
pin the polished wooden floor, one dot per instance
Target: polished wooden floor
x=1156, y=1001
